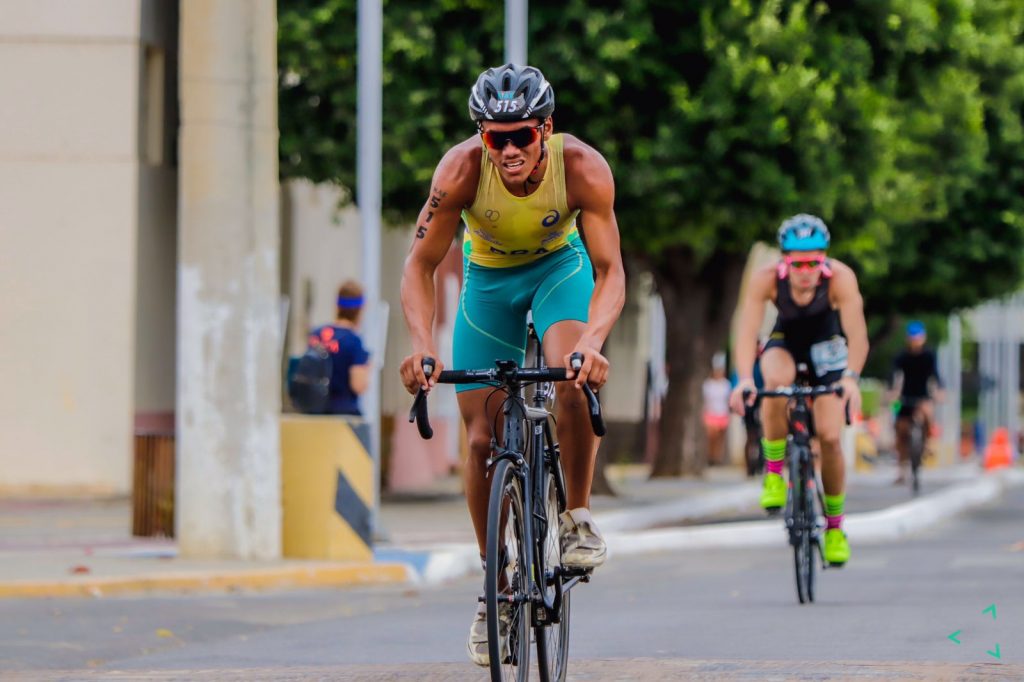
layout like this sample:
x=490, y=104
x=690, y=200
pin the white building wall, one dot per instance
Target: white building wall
x=69, y=212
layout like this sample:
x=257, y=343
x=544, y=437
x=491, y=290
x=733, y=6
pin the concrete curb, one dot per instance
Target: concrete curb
x=735, y=497
x=887, y=525
x=319, y=575
x=451, y=561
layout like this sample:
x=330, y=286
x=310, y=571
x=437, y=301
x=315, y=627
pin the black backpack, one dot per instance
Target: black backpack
x=311, y=382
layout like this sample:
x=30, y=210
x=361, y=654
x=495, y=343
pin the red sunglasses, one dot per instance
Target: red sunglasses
x=520, y=137
x=803, y=264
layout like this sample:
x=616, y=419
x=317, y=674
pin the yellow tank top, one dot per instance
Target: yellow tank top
x=504, y=230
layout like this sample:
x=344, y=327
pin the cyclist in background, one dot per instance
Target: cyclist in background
x=821, y=326
x=914, y=370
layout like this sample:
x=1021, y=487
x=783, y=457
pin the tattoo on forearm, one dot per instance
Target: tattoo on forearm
x=436, y=195
x=430, y=216
x=421, y=232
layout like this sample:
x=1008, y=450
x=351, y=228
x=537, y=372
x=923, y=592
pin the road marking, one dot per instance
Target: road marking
x=992, y=609
x=996, y=654
x=953, y=636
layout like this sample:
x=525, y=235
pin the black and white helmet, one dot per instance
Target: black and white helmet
x=511, y=93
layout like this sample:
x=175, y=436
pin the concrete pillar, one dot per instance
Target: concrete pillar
x=228, y=485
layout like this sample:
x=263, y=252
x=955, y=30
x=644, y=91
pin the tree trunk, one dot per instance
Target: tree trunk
x=699, y=303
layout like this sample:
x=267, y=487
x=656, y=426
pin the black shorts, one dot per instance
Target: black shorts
x=908, y=405
x=801, y=352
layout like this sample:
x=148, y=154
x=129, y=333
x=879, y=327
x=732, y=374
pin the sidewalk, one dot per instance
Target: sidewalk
x=439, y=515
x=84, y=547
x=56, y=548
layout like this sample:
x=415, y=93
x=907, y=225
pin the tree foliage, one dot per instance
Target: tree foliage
x=898, y=121
x=432, y=53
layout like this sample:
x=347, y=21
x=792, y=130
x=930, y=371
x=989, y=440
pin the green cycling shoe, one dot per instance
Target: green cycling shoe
x=837, y=549
x=773, y=494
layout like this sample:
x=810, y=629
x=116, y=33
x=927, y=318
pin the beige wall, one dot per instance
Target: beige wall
x=69, y=216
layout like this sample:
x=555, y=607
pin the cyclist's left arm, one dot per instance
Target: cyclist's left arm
x=850, y=304
x=591, y=188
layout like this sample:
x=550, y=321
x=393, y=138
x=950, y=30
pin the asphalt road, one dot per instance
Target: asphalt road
x=679, y=615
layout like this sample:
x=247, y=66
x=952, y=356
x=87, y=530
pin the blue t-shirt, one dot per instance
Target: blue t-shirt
x=346, y=350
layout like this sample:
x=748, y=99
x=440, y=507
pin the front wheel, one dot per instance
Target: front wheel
x=553, y=636
x=802, y=522
x=506, y=584
x=916, y=447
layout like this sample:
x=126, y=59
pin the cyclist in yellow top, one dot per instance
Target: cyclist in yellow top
x=521, y=189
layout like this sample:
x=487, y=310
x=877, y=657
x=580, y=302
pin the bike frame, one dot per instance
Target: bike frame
x=531, y=425
x=803, y=476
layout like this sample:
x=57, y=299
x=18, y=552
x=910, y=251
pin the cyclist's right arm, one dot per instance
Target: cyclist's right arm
x=453, y=187
x=759, y=290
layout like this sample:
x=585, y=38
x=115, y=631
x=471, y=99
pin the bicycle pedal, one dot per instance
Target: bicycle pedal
x=573, y=572
x=772, y=511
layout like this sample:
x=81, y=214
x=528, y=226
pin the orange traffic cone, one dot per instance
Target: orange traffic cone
x=997, y=452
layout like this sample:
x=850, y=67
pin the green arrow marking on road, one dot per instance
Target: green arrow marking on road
x=953, y=636
x=994, y=654
x=992, y=609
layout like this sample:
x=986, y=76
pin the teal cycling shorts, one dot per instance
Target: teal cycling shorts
x=491, y=322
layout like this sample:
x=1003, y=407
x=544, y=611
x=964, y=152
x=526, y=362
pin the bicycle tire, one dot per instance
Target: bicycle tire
x=811, y=534
x=553, y=638
x=916, y=447
x=800, y=533
x=801, y=559
x=509, y=656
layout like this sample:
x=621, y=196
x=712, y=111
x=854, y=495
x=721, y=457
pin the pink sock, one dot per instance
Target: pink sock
x=774, y=467
x=833, y=522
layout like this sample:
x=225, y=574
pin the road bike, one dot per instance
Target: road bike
x=805, y=503
x=916, y=438
x=526, y=588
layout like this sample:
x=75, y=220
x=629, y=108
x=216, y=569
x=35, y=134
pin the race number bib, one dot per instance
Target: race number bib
x=829, y=356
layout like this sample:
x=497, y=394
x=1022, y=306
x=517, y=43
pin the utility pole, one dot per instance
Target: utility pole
x=516, y=30
x=368, y=199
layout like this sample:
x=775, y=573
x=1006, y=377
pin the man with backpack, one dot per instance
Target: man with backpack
x=335, y=369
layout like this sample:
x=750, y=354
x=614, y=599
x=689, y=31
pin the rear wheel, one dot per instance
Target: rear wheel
x=508, y=609
x=553, y=636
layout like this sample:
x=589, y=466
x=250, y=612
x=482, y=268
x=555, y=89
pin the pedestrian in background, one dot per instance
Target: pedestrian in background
x=349, y=361
x=716, y=409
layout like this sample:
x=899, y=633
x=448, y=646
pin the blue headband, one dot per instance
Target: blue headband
x=355, y=302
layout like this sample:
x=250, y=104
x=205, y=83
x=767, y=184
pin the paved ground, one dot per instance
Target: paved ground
x=697, y=615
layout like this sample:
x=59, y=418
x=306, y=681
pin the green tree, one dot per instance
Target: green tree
x=432, y=52
x=898, y=121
